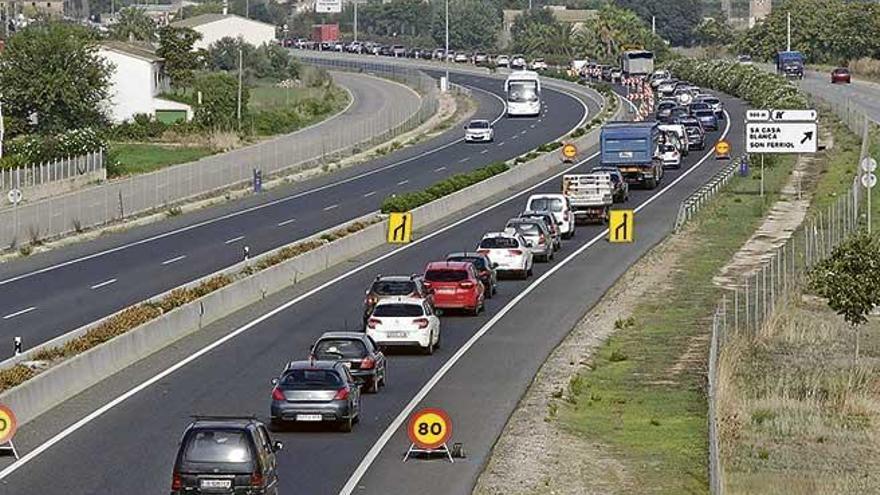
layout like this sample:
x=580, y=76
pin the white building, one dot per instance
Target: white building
x=216, y=26
x=136, y=82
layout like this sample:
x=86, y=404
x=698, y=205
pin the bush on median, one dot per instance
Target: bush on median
x=408, y=201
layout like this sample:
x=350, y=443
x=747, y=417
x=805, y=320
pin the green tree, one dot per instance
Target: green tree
x=133, y=24
x=473, y=24
x=538, y=33
x=675, y=19
x=219, y=107
x=711, y=32
x=850, y=280
x=53, y=72
x=176, y=47
x=605, y=37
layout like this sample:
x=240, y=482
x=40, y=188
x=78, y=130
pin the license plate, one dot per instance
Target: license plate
x=397, y=335
x=308, y=417
x=445, y=291
x=215, y=484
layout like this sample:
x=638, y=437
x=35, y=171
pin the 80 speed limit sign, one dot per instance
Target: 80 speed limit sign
x=429, y=428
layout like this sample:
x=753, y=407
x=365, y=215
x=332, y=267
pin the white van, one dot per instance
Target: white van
x=680, y=132
x=559, y=206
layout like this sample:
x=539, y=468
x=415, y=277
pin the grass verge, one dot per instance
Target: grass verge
x=140, y=158
x=643, y=394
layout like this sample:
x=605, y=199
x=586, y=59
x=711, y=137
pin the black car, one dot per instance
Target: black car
x=356, y=350
x=695, y=132
x=620, y=188
x=483, y=266
x=699, y=105
x=664, y=109
x=395, y=285
x=226, y=454
x=316, y=392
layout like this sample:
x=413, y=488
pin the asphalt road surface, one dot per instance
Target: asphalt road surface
x=479, y=374
x=47, y=295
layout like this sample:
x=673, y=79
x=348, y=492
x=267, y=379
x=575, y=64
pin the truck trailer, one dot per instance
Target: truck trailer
x=632, y=148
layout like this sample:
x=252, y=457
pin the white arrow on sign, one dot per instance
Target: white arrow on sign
x=793, y=115
x=868, y=164
x=761, y=115
x=781, y=137
x=869, y=180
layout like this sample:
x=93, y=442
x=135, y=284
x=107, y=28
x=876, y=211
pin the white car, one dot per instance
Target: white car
x=559, y=206
x=509, y=251
x=461, y=57
x=404, y=322
x=670, y=155
x=518, y=62
x=539, y=64
x=479, y=131
x=502, y=61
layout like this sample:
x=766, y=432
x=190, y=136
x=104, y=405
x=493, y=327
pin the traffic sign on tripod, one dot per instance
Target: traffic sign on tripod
x=8, y=425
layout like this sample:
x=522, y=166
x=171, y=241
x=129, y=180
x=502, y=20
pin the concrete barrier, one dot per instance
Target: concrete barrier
x=71, y=377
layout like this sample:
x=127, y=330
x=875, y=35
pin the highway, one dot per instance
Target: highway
x=47, y=295
x=863, y=96
x=479, y=374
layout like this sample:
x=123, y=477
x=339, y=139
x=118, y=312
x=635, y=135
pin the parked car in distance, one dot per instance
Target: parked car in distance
x=536, y=234
x=226, y=454
x=456, y=285
x=502, y=61
x=398, y=51
x=551, y=223
x=509, y=251
x=387, y=286
x=356, y=350
x=538, y=64
x=484, y=267
x=438, y=54
x=620, y=188
x=461, y=57
x=518, y=62
x=404, y=322
x=479, y=131
x=559, y=206
x=744, y=59
x=841, y=75
x=480, y=58
x=316, y=392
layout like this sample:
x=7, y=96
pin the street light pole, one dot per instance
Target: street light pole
x=788, y=31
x=446, y=53
x=653, y=25
x=238, y=112
x=355, y=21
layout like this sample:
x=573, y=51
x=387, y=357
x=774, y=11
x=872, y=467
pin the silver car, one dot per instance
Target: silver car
x=536, y=234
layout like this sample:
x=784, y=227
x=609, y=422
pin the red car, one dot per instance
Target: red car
x=455, y=285
x=840, y=75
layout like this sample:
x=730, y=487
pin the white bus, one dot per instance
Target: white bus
x=523, y=89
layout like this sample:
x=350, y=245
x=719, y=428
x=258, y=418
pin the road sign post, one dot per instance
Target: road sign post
x=8, y=425
x=569, y=152
x=429, y=430
x=621, y=226
x=400, y=228
x=869, y=180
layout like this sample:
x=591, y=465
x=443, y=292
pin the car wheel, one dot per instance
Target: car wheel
x=430, y=349
x=373, y=387
x=384, y=382
x=529, y=272
x=346, y=425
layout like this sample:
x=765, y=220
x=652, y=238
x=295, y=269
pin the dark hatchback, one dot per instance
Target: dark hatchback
x=485, y=269
x=226, y=455
x=316, y=392
x=356, y=350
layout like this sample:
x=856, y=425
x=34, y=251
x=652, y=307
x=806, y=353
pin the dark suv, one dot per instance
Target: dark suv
x=226, y=455
x=395, y=285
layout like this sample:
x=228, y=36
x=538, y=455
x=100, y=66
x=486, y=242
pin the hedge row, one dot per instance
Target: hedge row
x=408, y=201
x=760, y=88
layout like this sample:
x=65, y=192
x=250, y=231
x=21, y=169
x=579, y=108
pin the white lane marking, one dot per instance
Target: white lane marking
x=515, y=137
x=525, y=131
x=331, y=207
x=376, y=449
x=103, y=284
x=174, y=260
x=15, y=466
x=286, y=222
x=234, y=239
x=464, y=159
x=439, y=169
x=532, y=126
x=19, y=313
x=484, y=152
x=369, y=194
x=252, y=208
x=405, y=181
x=501, y=144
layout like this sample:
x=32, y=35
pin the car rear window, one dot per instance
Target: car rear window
x=393, y=287
x=546, y=204
x=478, y=125
x=446, y=275
x=478, y=262
x=399, y=310
x=498, y=243
x=704, y=113
x=216, y=446
x=526, y=229
x=347, y=348
x=310, y=379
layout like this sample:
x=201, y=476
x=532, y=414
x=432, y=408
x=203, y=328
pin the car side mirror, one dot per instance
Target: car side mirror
x=277, y=446
x=274, y=381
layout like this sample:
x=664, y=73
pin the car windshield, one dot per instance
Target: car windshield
x=446, y=275
x=310, y=379
x=711, y=101
x=216, y=446
x=522, y=91
x=499, y=243
x=399, y=310
x=478, y=124
x=546, y=204
x=477, y=261
x=333, y=348
x=841, y=71
x=393, y=287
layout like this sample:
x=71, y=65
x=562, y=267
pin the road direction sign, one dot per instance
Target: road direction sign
x=793, y=115
x=328, y=6
x=759, y=115
x=869, y=180
x=8, y=424
x=781, y=137
x=14, y=196
x=868, y=164
x=621, y=226
x=429, y=428
x=400, y=228
x=722, y=150
x=569, y=152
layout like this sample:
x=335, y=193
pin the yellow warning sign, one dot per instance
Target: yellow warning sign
x=400, y=228
x=722, y=150
x=621, y=226
x=8, y=424
x=569, y=152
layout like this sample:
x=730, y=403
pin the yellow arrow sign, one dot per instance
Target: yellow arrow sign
x=400, y=228
x=621, y=226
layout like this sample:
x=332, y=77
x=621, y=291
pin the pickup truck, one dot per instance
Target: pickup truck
x=590, y=195
x=631, y=146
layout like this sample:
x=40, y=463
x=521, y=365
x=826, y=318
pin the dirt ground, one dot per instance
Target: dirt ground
x=535, y=454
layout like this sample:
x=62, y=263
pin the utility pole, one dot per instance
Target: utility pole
x=788, y=29
x=355, y=21
x=247, y=9
x=238, y=113
x=654, y=25
x=446, y=54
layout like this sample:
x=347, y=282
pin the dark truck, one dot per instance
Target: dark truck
x=631, y=146
x=790, y=64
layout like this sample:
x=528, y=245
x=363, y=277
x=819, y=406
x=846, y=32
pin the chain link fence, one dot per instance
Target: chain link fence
x=46, y=173
x=309, y=148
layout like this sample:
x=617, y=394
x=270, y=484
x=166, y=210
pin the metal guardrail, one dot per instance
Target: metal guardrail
x=693, y=203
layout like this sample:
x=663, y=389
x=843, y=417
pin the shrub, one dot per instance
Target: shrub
x=408, y=201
